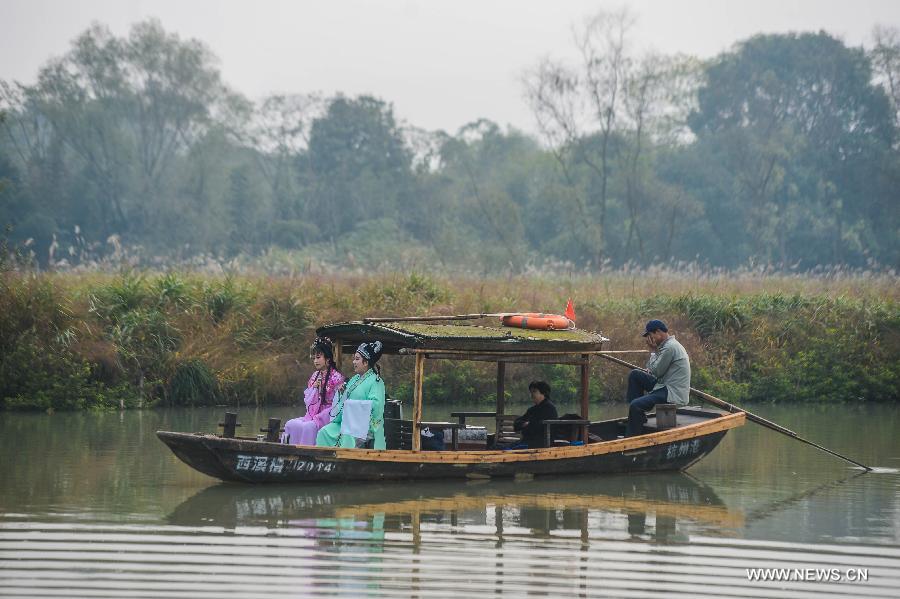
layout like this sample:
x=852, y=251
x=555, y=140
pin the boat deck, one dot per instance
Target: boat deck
x=686, y=416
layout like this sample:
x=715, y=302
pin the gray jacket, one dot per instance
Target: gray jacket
x=672, y=369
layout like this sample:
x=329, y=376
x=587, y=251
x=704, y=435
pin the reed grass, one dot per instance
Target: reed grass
x=72, y=341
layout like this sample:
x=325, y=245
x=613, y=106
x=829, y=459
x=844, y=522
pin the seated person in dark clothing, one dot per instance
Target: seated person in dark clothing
x=531, y=423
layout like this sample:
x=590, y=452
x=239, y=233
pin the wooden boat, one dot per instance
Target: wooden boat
x=600, y=449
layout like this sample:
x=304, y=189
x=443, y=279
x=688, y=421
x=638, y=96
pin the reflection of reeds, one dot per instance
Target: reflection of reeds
x=751, y=334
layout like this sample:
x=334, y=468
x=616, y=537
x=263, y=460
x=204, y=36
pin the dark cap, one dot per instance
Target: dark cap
x=370, y=352
x=655, y=325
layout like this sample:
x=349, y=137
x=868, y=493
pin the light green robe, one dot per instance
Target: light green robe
x=367, y=386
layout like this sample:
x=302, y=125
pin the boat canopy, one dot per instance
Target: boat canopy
x=397, y=336
x=431, y=341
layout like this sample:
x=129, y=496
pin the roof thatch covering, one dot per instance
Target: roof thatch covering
x=461, y=337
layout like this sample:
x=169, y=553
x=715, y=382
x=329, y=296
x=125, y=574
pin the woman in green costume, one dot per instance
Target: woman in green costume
x=366, y=385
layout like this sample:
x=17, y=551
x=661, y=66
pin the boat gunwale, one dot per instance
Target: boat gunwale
x=463, y=457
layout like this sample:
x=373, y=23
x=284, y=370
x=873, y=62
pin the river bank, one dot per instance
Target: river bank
x=85, y=341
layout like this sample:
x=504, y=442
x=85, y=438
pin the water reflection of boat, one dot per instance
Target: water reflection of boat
x=599, y=449
x=540, y=505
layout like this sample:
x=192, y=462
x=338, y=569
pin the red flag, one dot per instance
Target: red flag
x=570, y=310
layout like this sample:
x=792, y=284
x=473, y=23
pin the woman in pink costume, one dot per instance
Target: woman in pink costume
x=319, y=394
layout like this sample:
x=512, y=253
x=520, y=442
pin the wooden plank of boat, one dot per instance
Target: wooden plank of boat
x=256, y=461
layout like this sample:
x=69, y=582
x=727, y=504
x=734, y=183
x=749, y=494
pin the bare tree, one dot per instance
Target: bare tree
x=553, y=91
x=27, y=131
x=605, y=62
x=657, y=95
x=279, y=131
x=608, y=113
x=885, y=56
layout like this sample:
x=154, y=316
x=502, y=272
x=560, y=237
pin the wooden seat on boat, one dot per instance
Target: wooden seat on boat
x=461, y=416
x=608, y=430
x=503, y=424
x=440, y=426
x=398, y=433
x=560, y=429
x=564, y=431
x=505, y=432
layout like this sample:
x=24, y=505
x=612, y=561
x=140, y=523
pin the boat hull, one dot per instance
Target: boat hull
x=250, y=461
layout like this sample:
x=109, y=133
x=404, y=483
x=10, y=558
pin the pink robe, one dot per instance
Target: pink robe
x=303, y=430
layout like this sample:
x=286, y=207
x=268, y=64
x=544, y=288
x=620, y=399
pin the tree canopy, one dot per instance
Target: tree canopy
x=783, y=149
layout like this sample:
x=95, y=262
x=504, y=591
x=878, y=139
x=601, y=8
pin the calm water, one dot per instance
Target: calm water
x=94, y=505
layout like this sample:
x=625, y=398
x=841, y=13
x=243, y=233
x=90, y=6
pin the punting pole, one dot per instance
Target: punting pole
x=750, y=416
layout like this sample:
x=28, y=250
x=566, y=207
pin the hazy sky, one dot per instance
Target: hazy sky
x=442, y=63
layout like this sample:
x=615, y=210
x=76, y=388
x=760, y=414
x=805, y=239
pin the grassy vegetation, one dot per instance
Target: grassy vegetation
x=72, y=341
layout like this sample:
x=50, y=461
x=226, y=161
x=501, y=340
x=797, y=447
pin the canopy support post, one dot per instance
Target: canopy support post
x=585, y=407
x=338, y=352
x=501, y=395
x=418, y=381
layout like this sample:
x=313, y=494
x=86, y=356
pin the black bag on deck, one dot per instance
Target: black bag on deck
x=434, y=442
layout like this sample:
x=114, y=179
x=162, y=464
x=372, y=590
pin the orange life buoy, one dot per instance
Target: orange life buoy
x=534, y=320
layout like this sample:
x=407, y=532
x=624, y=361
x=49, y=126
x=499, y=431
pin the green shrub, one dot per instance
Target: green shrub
x=170, y=290
x=412, y=293
x=194, y=384
x=58, y=351
x=221, y=297
x=110, y=302
x=708, y=314
x=34, y=376
x=279, y=320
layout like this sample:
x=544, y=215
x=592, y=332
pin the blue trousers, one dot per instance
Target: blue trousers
x=642, y=398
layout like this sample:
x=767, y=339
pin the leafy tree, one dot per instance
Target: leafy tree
x=360, y=164
x=126, y=107
x=783, y=149
x=797, y=121
x=489, y=186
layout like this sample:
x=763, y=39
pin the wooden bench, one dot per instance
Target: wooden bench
x=503, y=424
x=461, y=416
x=608, y=430
x=398, y=433
x=549, y=425
x=440, y=426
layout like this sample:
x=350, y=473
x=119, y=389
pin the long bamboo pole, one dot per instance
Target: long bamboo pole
x=510, y=352
x=438, y=317
x=750, y=416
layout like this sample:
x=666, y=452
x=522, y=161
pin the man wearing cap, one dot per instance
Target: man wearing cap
x=668, y=379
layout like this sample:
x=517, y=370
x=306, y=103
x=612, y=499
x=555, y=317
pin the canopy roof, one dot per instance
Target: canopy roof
x=462, y=337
